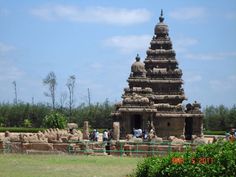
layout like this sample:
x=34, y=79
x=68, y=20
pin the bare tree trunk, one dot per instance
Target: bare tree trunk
x=15, y=99
x=63, y=99
x=50, y=80
x=71, y=85
x=89, y=98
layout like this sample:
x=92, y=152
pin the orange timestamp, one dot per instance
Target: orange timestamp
x=201, y=160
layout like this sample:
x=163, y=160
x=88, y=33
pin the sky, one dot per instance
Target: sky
x=97, y=41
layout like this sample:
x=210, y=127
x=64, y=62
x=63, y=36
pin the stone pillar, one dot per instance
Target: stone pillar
x=201, y=126
x=116, y=131
x=86, y=130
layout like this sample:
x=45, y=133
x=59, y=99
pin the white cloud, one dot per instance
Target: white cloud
x=181, y=44
x=194, y=78
x=129, y=43
x=9, y=72
x=96, y=66
x=190, y=77
x=226, y=84
x=105, y=15
x=232, y=78
x=188, y=13
x=211, y=56
x=5, y=48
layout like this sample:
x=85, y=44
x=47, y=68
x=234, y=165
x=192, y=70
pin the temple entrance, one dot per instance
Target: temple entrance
x=136, y=121
x=188, y=128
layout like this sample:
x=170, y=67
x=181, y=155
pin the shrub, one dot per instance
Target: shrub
x=2, y=121
x=209, y=132
x=21, y=129
x=27, y=123
x=216, y=159
x=54, y=120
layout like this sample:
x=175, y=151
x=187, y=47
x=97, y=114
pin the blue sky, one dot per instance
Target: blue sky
x=97, y=42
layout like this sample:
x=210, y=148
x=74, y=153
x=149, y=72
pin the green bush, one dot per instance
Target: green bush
x=216, y=159
x=21, y=129
x=209, y=132
x=27, y=123
x=54, y=120
x=2, y=121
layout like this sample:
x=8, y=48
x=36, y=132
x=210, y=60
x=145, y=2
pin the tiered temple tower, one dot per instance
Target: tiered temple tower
x=155, y=94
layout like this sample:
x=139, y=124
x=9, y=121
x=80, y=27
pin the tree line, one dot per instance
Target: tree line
x=98, y=115
x=219, y=117
x=32, y=115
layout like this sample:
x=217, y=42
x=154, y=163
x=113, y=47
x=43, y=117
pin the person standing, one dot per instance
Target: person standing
x=105, y=136
x=96, y=135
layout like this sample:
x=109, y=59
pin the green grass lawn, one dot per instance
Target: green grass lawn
x=20, y=165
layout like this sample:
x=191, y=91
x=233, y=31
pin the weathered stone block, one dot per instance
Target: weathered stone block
x=16, y=147
x=42, y=146
x=128, y=149
x=156, y=139
x=64, y=139
x=153, y=147
x=165, y=148
x=26, y=146
x=200, y=140
x=14, y=138
x=142, y=148
x=63, y=147
x=177, y=141
x=72, y=125
x=177, y=148
x=159, y=149
x=114, y=151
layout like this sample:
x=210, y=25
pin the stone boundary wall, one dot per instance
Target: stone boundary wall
x=55, y=141
x=115, y=148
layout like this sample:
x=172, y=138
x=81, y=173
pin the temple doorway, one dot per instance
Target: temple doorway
x=136, y=121
x=188, y=128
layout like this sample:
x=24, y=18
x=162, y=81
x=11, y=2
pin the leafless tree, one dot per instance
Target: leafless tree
x=89, y=97
x=15, y=91
x=71, y=85
x=63, y=98
x=50, y=80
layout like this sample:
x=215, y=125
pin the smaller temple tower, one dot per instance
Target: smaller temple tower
x=155, y=93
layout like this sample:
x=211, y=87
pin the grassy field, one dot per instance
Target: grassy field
x=19, y=165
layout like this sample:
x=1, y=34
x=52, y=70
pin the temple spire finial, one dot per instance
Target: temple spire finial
x=137, y=57
x=161, y=18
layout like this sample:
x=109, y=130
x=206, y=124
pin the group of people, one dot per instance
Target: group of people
x=139, y=133
x=94, y=135
x=106, y=136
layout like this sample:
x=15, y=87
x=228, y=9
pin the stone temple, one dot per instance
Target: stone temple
x=155, y=93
